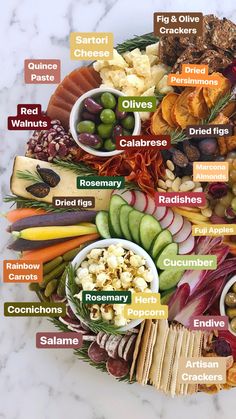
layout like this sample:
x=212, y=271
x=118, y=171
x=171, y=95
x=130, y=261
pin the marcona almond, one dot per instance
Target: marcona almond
x=161, y=190
x=185, y=178
x=186, y=186
x=207, y=212
x=170, y=175
x=170, y=165
x=176, y=184
x=169, y=183
x=162, y=184
x=197, y=189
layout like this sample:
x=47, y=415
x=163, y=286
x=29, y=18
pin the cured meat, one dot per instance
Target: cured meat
x=104, y=340
x=122, y=344
x=113, y=346
x=117, y=367
x=78, y=82
x=97, y=354
x=129, y=348
x=99, y=337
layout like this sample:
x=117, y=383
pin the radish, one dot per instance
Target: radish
x=151, y=206
x=160, y=213
x=128, y=196
x=168, y=219
x=141, y=201
x=184, y=233
x=187, y=246
x=176, y=224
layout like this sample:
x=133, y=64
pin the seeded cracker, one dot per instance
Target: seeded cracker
x=143, y=351
x=136, y=350
x=148, y=359
x=168, y=360
x=158, y=353
x=173, y=383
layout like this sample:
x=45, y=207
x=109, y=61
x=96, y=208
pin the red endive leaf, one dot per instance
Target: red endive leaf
x=178, y=301
x=196, y=307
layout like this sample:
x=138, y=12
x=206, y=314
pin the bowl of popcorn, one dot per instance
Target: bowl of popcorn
x=112, y=265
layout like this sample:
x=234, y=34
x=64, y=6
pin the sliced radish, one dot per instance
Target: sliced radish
x=151, y=206
x=176, y=224
x=184, y=233
x=128, y=196
x=187, y=246
x=167, y=220
x=160, y=213
x=141, y=201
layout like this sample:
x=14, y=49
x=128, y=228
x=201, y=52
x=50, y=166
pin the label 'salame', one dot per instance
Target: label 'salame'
x=183, y=24
x=42, y=71
x=180, y=199
x=91, y=45
x=58, y=340
x=16, y=271
x=100, y=182
x=146, y=142
x=28, y=117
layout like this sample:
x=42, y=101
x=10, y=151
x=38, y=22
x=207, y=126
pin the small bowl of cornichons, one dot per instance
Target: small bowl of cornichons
x=95, y=121
x=110, y=265
x=228, y=304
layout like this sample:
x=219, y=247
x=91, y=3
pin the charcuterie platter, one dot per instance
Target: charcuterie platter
x=128, y=219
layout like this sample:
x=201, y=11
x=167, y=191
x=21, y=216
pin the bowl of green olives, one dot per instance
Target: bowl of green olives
x=228, y=303
x=95, y=121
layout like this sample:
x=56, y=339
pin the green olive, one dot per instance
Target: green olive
x=234, y=287
x=128, y=122
x=108, y=100
x=231, y=312
x=230, y=299
x=86, y=126
x=233, y=204
x=109, y=145
x=105, y=130
x=126, y=132
x=107, y=116
x=233, y=324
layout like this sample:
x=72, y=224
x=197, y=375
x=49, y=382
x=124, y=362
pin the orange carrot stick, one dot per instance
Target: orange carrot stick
x=19, y=213
x=51, y=252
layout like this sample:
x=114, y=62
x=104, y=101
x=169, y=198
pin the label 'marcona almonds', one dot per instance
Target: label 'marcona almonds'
x=16, y=271
x=217, y=171
x=145, y=306
x=202, y=370
x=91, y=45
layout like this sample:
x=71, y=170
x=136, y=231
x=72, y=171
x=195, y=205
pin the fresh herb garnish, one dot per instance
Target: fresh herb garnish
x=27, y=175
x=32, y=203
x=137, y=42
x=82, y=309
x=79, y=168
x=217, y=108
x=177, y=136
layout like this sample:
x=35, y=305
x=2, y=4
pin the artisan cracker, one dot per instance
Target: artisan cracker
x=143, y=351
x=158, y=353
x=175, y=366
x=136, y=350
x=168, y=360
x=149, y=354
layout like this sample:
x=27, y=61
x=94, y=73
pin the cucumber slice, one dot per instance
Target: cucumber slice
x=102, y=224
x=135, y=218
x=169, y=251
x=149, y=228
x=169, y=279
x=114, y=220
x=162, y=240
x=124, y=221
x=166, y=295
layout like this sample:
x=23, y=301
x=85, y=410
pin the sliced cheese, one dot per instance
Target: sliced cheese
x=65, y=188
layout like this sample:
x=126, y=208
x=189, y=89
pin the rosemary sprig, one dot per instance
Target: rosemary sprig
x=177, y=136
x=31, y=203
x=78, y=168
x=217, y=108
x=59, y=325
x=27, y=175
x=83, y=311
x=137, y=42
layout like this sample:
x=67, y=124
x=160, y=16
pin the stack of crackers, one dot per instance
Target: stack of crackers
x=157, y=352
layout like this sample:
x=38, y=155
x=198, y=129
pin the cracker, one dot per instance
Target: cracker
x=149, y=353
x=184, y=354
x=158, y=353
x=189, y=355
x=143, y=351
x=175, y=367
x=136, y=350
x=168, y=360
x=193, y=388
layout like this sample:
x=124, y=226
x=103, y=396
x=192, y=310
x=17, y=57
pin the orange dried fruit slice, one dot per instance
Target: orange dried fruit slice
x=167, y=105
x=158, y=125
x=213, y=94
x=181, y=112
x=197, y=106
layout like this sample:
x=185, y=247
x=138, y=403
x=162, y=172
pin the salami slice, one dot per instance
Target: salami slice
x=117, y=367
x=99, y=337
x=113, y=346
x=96, y=354
x=129, y=348
x=88, y=338
x=108, y=342
x=70, y=322
x=104, y=340
x=122, y=344
x=70, y=313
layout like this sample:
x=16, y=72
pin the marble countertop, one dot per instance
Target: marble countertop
x=53, y=384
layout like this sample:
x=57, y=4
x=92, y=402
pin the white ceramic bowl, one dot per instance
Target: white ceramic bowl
x=74, y=119
x=222, y=299
x=126, y=244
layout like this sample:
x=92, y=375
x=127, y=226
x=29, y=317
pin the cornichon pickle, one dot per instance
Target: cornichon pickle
x=42, y=297
x=55, y=273
x=48, y=267
x=61, y=289
x=70, y=255
x=34, y=286
x=231, y=312
x=230, y=299
x=233, y=324
x=50, y=288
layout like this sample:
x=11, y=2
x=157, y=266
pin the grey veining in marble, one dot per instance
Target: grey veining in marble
x=53, y=384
